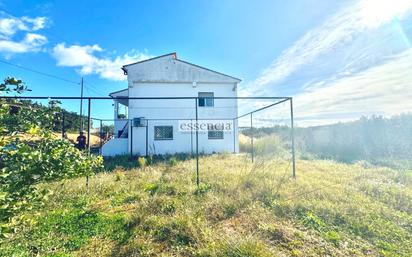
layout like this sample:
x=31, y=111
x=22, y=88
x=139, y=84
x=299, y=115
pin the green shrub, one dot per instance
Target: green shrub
x=333, y=237
x=30, y=155
x=168, y=207
x=173, y=161
x=312, y=221
x=263, y=146
x=202, y=189
x=142, y=162
x=23, y=167
x=152, y=188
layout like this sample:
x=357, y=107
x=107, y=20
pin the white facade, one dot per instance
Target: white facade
x=167, y=76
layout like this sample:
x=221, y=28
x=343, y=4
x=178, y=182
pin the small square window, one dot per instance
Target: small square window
x=215, y=134
x=163, y=132
x=206, y=99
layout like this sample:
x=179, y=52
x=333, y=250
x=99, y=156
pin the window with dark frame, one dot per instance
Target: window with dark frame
x=215, y=134
x=206, y=99
x=163, y=132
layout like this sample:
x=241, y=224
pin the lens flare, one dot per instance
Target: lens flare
x=377, y=12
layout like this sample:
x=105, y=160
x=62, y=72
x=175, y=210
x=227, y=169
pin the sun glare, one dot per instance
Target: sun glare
x=378, y=12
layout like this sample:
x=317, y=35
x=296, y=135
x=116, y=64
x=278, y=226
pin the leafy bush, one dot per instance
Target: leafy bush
x=333, y=237
x=264, y=146
x=152, y=188
x=24, y=166
x=202, y=189
x=142, y=162
x=173, y=161
x=29, y=156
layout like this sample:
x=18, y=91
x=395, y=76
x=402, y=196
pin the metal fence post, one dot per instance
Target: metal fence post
x=131, y=139
x=147, y=138
x=234, y=136
x=100, y=136
x=292, y=132
x=89, y=124
x=191, y=138
x=197, y=145
x=251, y=135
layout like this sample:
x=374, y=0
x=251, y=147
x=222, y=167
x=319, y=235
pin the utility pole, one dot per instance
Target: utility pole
x=81, y=105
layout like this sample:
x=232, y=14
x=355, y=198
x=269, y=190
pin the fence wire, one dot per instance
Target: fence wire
x=260, y=127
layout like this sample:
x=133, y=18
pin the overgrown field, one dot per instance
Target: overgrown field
x=240, y=209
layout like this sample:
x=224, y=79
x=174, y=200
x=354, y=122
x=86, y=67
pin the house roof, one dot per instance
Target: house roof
x=116, y=92
x=174, y=56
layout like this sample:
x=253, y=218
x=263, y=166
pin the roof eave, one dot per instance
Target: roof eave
x=173, y=53
x=217, y=72
x=124, y=70
x=115, y=92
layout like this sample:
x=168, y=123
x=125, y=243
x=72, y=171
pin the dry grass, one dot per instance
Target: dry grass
x=240, y=209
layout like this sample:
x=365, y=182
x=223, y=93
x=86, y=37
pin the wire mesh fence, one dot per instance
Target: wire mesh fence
x=253, y=128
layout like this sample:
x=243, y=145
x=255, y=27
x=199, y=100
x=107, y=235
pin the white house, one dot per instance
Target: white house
x=161, y=126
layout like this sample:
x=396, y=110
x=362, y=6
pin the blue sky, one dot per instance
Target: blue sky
x=338, y=59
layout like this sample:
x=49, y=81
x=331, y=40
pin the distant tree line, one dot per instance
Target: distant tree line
x=71, y=119
x=376, y=139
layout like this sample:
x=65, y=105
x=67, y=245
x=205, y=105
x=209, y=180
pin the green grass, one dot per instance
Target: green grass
x=240, y=209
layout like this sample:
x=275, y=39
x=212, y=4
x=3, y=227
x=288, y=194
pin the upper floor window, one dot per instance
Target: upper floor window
x=121, y=110
x=206, y=99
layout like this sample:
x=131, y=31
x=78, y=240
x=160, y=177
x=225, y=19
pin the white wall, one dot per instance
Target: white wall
x=115, y=146
x=181, y=109
x=168, y=76
x=119, y=125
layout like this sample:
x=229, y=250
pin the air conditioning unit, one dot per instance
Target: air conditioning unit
x=139, y=122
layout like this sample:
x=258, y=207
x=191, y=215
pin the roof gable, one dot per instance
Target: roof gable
x=168, y=68
x=170, y=55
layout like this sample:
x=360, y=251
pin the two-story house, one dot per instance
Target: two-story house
x=160, y=126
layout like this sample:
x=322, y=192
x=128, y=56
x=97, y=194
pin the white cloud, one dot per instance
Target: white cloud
x=383, y=89
x=87, y=60
x=335, y=32
x=10, y=27
x=36, y=23
x=30, y=43
x=374, y=13
x=356, y=63
x=75, y=55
